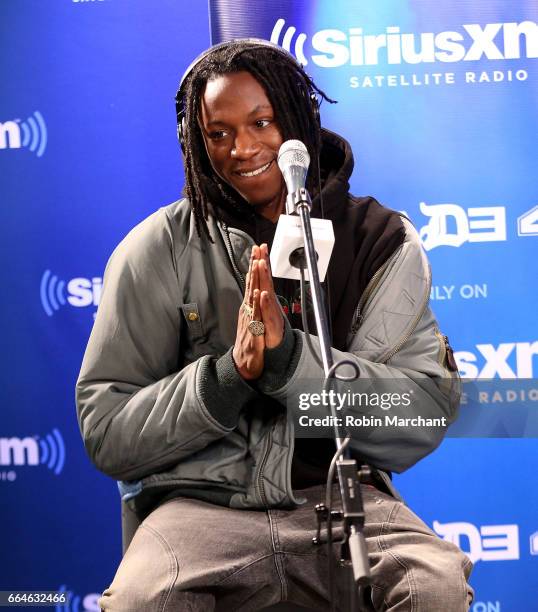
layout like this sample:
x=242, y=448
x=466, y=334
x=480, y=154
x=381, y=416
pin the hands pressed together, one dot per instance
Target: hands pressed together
x=259, y=304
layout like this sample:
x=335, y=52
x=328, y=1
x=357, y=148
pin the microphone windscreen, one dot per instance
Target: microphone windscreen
x=293, y=153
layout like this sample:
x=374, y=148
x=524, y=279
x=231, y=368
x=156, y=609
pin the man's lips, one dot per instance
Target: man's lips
x=249, y=173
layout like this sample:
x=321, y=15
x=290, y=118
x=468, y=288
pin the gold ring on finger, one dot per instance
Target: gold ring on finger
x=256, y=328
x=247, y=309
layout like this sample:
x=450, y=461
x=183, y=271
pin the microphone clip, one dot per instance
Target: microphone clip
x=296, y=199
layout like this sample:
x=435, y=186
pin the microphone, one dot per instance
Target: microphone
x=293, y=161
x=287, y=251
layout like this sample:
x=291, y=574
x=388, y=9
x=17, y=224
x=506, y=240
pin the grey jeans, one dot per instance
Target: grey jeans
x=190, y=555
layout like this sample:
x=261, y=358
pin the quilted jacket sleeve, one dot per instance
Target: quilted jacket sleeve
x=398, y=341
x=138, y=410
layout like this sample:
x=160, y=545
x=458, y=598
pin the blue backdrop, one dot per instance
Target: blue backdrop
x=439, y=104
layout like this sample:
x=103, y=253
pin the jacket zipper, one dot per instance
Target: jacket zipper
x=415, y=322
x=259, y=480
x=357, y=317
x=446, y=353
x=237, y=273
x=374, y=281
x=442, y=349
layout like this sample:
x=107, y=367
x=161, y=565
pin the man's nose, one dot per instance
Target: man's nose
x=245, y=145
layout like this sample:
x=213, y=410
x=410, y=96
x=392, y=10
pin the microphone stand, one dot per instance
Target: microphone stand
x=353, y=553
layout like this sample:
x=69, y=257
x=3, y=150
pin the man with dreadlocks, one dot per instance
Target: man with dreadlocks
x=183, y=400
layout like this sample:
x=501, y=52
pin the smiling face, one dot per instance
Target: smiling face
x=242, y=139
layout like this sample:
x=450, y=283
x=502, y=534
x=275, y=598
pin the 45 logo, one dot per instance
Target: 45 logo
x=527, y=223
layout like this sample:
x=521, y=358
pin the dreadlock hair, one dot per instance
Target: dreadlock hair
x=293, y=96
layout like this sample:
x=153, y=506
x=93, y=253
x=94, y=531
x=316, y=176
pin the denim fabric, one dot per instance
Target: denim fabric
x=190, y=555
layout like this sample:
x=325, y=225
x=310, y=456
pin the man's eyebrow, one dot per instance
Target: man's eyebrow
x=215, y=122
x=260, y=107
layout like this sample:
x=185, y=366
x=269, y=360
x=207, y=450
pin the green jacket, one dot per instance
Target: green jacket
x=161, y=407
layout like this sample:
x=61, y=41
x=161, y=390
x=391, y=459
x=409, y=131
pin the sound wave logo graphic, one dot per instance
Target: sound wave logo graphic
x=30, y=134
x=34, y=133
x=287, y=40
x=47, y=450
x=51, y=292
x=52, y=451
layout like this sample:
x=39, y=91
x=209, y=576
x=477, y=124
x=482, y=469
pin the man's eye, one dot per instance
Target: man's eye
x=217, y=135
x=261, y=123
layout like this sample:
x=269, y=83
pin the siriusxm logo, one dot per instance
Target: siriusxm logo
x=486, y=543
x=451, y=225
x=48, y=450
x=74, y=602
x=335, y=48
x=78, y=292
x=509, y=360
x=30, y=133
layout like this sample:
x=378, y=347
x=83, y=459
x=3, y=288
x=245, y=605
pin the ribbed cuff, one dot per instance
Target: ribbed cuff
x=223, y=391
x=280, y=362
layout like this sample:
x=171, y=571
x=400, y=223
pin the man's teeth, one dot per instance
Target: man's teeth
x=256, y=172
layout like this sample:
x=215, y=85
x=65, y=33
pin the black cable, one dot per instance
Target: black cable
x=329, y=506
x=305, y=321
x=332, y=373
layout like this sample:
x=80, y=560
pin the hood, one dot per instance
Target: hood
x=336, y=167
x=366, y=235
